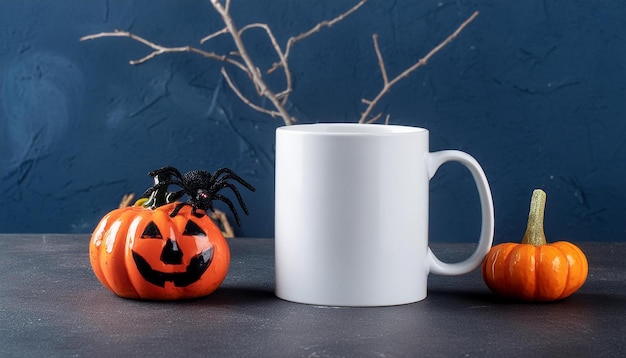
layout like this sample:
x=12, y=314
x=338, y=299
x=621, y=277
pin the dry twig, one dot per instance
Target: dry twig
x=159, y=50
x=253, y=71
x=314, y=29
x=281, y=56
x=127, y=199
x=246, y=64
x=220, y=218
x=387, y=84
x=278, y=100
x=245, y=100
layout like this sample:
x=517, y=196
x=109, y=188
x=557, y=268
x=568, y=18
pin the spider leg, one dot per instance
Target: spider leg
x=230, y=175
x=156, y=187
x=230, y=204
x=177, y=209
x=195, y=212
x=170, y=171
x=224, y=184
x=219, y=172
x=172, y=197
x=147, y=193
x=158, y=195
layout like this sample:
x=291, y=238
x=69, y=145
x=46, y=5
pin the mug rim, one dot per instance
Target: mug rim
x=351, y=129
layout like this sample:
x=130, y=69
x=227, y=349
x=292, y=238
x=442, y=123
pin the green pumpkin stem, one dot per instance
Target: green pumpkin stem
x=534, y=231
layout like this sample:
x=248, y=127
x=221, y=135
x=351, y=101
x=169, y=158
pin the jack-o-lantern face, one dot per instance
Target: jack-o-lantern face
x=172, y=254
x=144, y=253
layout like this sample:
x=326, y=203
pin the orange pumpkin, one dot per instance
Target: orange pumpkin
x=144, y=253
x=535, y=270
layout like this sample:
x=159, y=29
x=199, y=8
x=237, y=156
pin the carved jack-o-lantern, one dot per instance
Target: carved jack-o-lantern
x=145, y=253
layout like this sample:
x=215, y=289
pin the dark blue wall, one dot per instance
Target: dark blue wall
x=535, y=90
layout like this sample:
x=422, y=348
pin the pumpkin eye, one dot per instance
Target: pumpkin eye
x=192, y=229
x=151, y=232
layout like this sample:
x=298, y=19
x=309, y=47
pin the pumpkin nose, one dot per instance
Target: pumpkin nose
x=171, y=254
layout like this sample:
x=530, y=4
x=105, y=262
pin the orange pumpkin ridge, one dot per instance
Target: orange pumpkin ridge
x=111, y=253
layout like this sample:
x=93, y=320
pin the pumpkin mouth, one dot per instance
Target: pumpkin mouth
x=196, y=268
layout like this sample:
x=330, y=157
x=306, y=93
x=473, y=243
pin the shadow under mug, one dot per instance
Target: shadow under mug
x=351, y=215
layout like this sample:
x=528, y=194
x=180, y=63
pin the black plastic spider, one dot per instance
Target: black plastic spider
x=200, y=186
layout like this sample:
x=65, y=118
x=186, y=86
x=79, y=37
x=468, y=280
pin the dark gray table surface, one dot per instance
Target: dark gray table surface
x=51, y=304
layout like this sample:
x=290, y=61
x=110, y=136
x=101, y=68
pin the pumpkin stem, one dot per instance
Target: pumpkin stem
x=534, y=231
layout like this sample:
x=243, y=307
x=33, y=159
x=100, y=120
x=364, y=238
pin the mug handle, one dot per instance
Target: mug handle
x=434, y=161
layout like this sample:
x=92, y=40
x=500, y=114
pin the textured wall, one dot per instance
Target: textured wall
x=535, y=90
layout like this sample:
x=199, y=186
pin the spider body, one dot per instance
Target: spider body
x=200, y=186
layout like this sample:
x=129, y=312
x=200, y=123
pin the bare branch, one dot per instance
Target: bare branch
x=244, y=62
x=281, y=56
x=321, y=25
x=316, y=28
x=381, y=63
x=245, y=100
x=253, y=72
x=422, y=62
x=432, y=52
x=374, y=119
x=284, y=93
x=127, y=200
x=159, y=50
x=214, y=35
x=221, y=218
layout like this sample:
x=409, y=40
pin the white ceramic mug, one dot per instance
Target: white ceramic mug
x=352, y=214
